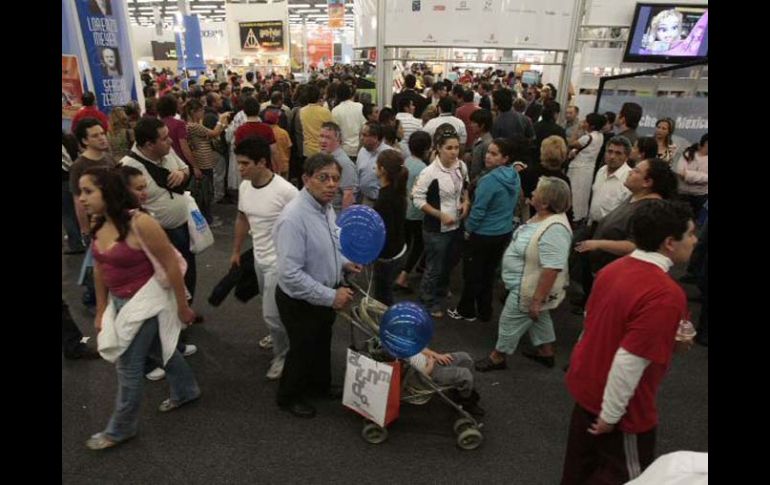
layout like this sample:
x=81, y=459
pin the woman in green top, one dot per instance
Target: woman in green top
x=535, y=273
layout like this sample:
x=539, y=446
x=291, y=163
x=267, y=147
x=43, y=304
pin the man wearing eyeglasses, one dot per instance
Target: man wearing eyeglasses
x=366, y=162
x=309, y=291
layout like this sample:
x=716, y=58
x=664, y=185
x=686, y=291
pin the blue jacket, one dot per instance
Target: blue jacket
x=496, y=197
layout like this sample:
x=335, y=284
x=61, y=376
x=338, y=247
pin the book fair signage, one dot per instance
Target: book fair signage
x=260, y=36
x=104, y=30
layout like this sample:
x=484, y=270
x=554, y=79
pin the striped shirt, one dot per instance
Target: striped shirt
x=200, y=145
x=409, y=123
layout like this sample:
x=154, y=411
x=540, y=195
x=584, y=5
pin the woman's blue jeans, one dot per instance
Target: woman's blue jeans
x=130, y=369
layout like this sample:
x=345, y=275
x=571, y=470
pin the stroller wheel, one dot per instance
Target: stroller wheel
x=374, y=433
x=470, y=439
x=462, y=424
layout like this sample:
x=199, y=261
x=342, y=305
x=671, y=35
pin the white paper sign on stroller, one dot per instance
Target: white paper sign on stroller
x=372, y=388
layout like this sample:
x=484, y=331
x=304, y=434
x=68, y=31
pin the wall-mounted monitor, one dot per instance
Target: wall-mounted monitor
x=668, y=34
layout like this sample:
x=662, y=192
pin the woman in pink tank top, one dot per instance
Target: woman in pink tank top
x=121, y=235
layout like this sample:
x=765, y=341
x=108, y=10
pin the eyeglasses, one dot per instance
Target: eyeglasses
x=325, y=177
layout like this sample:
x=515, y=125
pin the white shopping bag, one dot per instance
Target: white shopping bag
x=372, y=388
x=201, y=236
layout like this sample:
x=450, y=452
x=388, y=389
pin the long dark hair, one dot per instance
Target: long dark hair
x=118, y=199
x=689, y=154
x=392, y=162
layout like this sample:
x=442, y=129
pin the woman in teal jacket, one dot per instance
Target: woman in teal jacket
x=488, y=231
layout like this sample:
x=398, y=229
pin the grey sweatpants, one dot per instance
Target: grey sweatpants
x=457, y=374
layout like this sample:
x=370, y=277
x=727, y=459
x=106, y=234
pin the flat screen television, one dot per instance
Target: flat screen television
x=668, y=34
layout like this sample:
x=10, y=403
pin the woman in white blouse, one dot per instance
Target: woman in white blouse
x=693, y=174
x=583, y=161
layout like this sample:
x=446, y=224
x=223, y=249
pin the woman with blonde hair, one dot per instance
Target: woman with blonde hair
x=553, y=154
x=535, y=274
x=665, y=32
x=120, y=135
x=429, y=113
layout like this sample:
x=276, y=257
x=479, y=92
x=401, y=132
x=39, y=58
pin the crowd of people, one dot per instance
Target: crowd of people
x=472, y=168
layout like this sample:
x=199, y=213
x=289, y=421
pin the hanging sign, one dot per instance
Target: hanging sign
x=336, y=14
x=267, y=35
x=104, y=29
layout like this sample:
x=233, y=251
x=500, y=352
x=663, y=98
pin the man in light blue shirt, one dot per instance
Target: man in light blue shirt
x=310, y=269
x=331, y=140
x=366, y=162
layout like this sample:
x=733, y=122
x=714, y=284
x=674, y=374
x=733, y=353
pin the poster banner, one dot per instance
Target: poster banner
x=71, y=86
x=320, y=47
x=690, y=115
x=104, y=28
x=336, y=14
x=189, y=44
x=261, y=36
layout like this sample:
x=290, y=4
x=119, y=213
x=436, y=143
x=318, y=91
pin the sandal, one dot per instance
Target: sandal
x=546, y=360
x=486, y=364
x=170, y=405
x=100, y=441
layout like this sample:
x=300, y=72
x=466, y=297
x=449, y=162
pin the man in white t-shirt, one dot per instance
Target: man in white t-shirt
x=609, y=188
x=349, y=116
x=446, y=110
x=261, y=197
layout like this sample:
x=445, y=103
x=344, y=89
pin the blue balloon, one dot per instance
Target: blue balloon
x=362, y=234
x=405, y=329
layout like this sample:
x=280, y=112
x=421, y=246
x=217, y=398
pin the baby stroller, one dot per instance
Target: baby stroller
x=415, y=387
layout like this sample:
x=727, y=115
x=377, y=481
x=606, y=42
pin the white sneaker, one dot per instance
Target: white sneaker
x=276, y=369
x=189, y=350
x=156, y=374
x=266, y=343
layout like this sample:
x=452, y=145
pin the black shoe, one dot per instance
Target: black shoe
x=300, y=409
x=486, y=364
x=548, y=361
x=456, y=315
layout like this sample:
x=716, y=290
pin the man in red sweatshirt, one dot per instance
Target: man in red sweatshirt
x=631, y=330
x=90, y=110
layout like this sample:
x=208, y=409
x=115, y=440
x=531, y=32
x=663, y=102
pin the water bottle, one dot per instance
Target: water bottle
x=686, y=331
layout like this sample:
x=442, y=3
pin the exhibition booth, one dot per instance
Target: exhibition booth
x=572, y=44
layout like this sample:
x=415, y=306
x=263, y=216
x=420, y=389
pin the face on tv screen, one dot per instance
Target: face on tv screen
x=671, y=33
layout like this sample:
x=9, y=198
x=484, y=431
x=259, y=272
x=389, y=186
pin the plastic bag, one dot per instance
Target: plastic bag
x=201, y=236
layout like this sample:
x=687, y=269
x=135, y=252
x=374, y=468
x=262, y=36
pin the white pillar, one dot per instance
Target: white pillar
x=566, y=73
x=381, y=76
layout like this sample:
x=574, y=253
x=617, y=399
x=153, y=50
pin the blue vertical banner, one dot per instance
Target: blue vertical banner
x=189, y=45
x=104, y=29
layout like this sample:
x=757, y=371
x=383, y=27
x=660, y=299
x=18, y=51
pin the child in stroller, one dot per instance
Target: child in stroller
x=451, y=370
